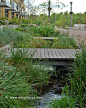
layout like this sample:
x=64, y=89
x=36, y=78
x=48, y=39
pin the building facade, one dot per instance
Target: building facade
x=12, y=9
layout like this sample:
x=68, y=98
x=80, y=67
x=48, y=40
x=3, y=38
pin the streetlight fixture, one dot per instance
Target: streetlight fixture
x=49, y=9
x=71, y=14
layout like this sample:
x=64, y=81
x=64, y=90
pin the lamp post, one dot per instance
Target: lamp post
x=49, y=9
x=71, y=14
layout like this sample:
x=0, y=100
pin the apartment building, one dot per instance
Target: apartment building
x=12, y=9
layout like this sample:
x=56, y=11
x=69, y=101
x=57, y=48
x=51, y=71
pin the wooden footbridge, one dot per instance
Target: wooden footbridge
x=50, y=56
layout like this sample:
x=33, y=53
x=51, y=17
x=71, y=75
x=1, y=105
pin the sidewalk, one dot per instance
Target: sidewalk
x=72, y=32
x=78, y=35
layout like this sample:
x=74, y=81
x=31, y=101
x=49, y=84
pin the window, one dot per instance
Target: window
x=16, y=15
x=6, y=13
x=12, y=14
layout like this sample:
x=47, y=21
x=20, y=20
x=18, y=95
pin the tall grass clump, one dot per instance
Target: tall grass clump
x=12, y=86
x=64, y=42
x=78, y=79
x=9, y=35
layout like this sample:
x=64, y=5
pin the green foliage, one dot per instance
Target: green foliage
x=78, y=79
x=27, y=41
x=46, y=31
x=25, y=21
x=14, y=21
x=74, y=95
x=62, y=19
x=35, y=75
x=35, y=43
x=64, y=42
x=20, y=81
x=66, y=101
x=24, y=25
x=9, y=35
x=19, y=29
x=0, y=24
x=12, y=86
x=2, y=20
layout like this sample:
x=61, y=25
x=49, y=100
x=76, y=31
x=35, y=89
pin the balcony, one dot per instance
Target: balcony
x=5, y=3
x=13, y=6
x=18, y=9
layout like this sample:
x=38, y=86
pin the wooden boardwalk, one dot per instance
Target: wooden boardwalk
x=44, y=53
x=48, y=53
x=46, y=38
x=54, y=57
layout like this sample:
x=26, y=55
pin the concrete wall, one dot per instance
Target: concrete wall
x=80, y=26
x=8, y=26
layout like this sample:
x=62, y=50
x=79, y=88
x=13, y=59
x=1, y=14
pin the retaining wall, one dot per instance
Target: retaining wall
x=8, y=26
x=80, y=26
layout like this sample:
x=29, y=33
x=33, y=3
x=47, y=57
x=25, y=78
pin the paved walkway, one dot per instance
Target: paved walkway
x=72, y=32
x=78, y=35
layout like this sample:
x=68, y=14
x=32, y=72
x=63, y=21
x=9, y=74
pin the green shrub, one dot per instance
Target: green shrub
x=14, y=21
x=46, y=31
x=24, y=25
x=19, y=29
x=24, y=21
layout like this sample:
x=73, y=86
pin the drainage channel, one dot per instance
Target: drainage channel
x=53, y=90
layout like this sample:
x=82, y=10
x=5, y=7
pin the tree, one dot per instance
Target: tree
x=20, y=4
x=28, y=4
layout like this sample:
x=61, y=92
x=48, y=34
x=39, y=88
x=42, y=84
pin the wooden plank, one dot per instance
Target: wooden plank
x=50, y=53
x=57, y=53
x=65, y=53
x=77, y=50
x=54, y=54
x=69, y=53
x=61, y=53
x=72, y=52
x=42, y=53
x=35, y=52
x=38, y=53
x=46, y=53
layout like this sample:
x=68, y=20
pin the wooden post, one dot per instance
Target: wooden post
x=9, y=15
x=3, y=12
x=0, y=11
x=18, y=16
x=14, y=15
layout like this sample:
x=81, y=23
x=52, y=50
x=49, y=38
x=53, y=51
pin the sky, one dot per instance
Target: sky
x=77, y=5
